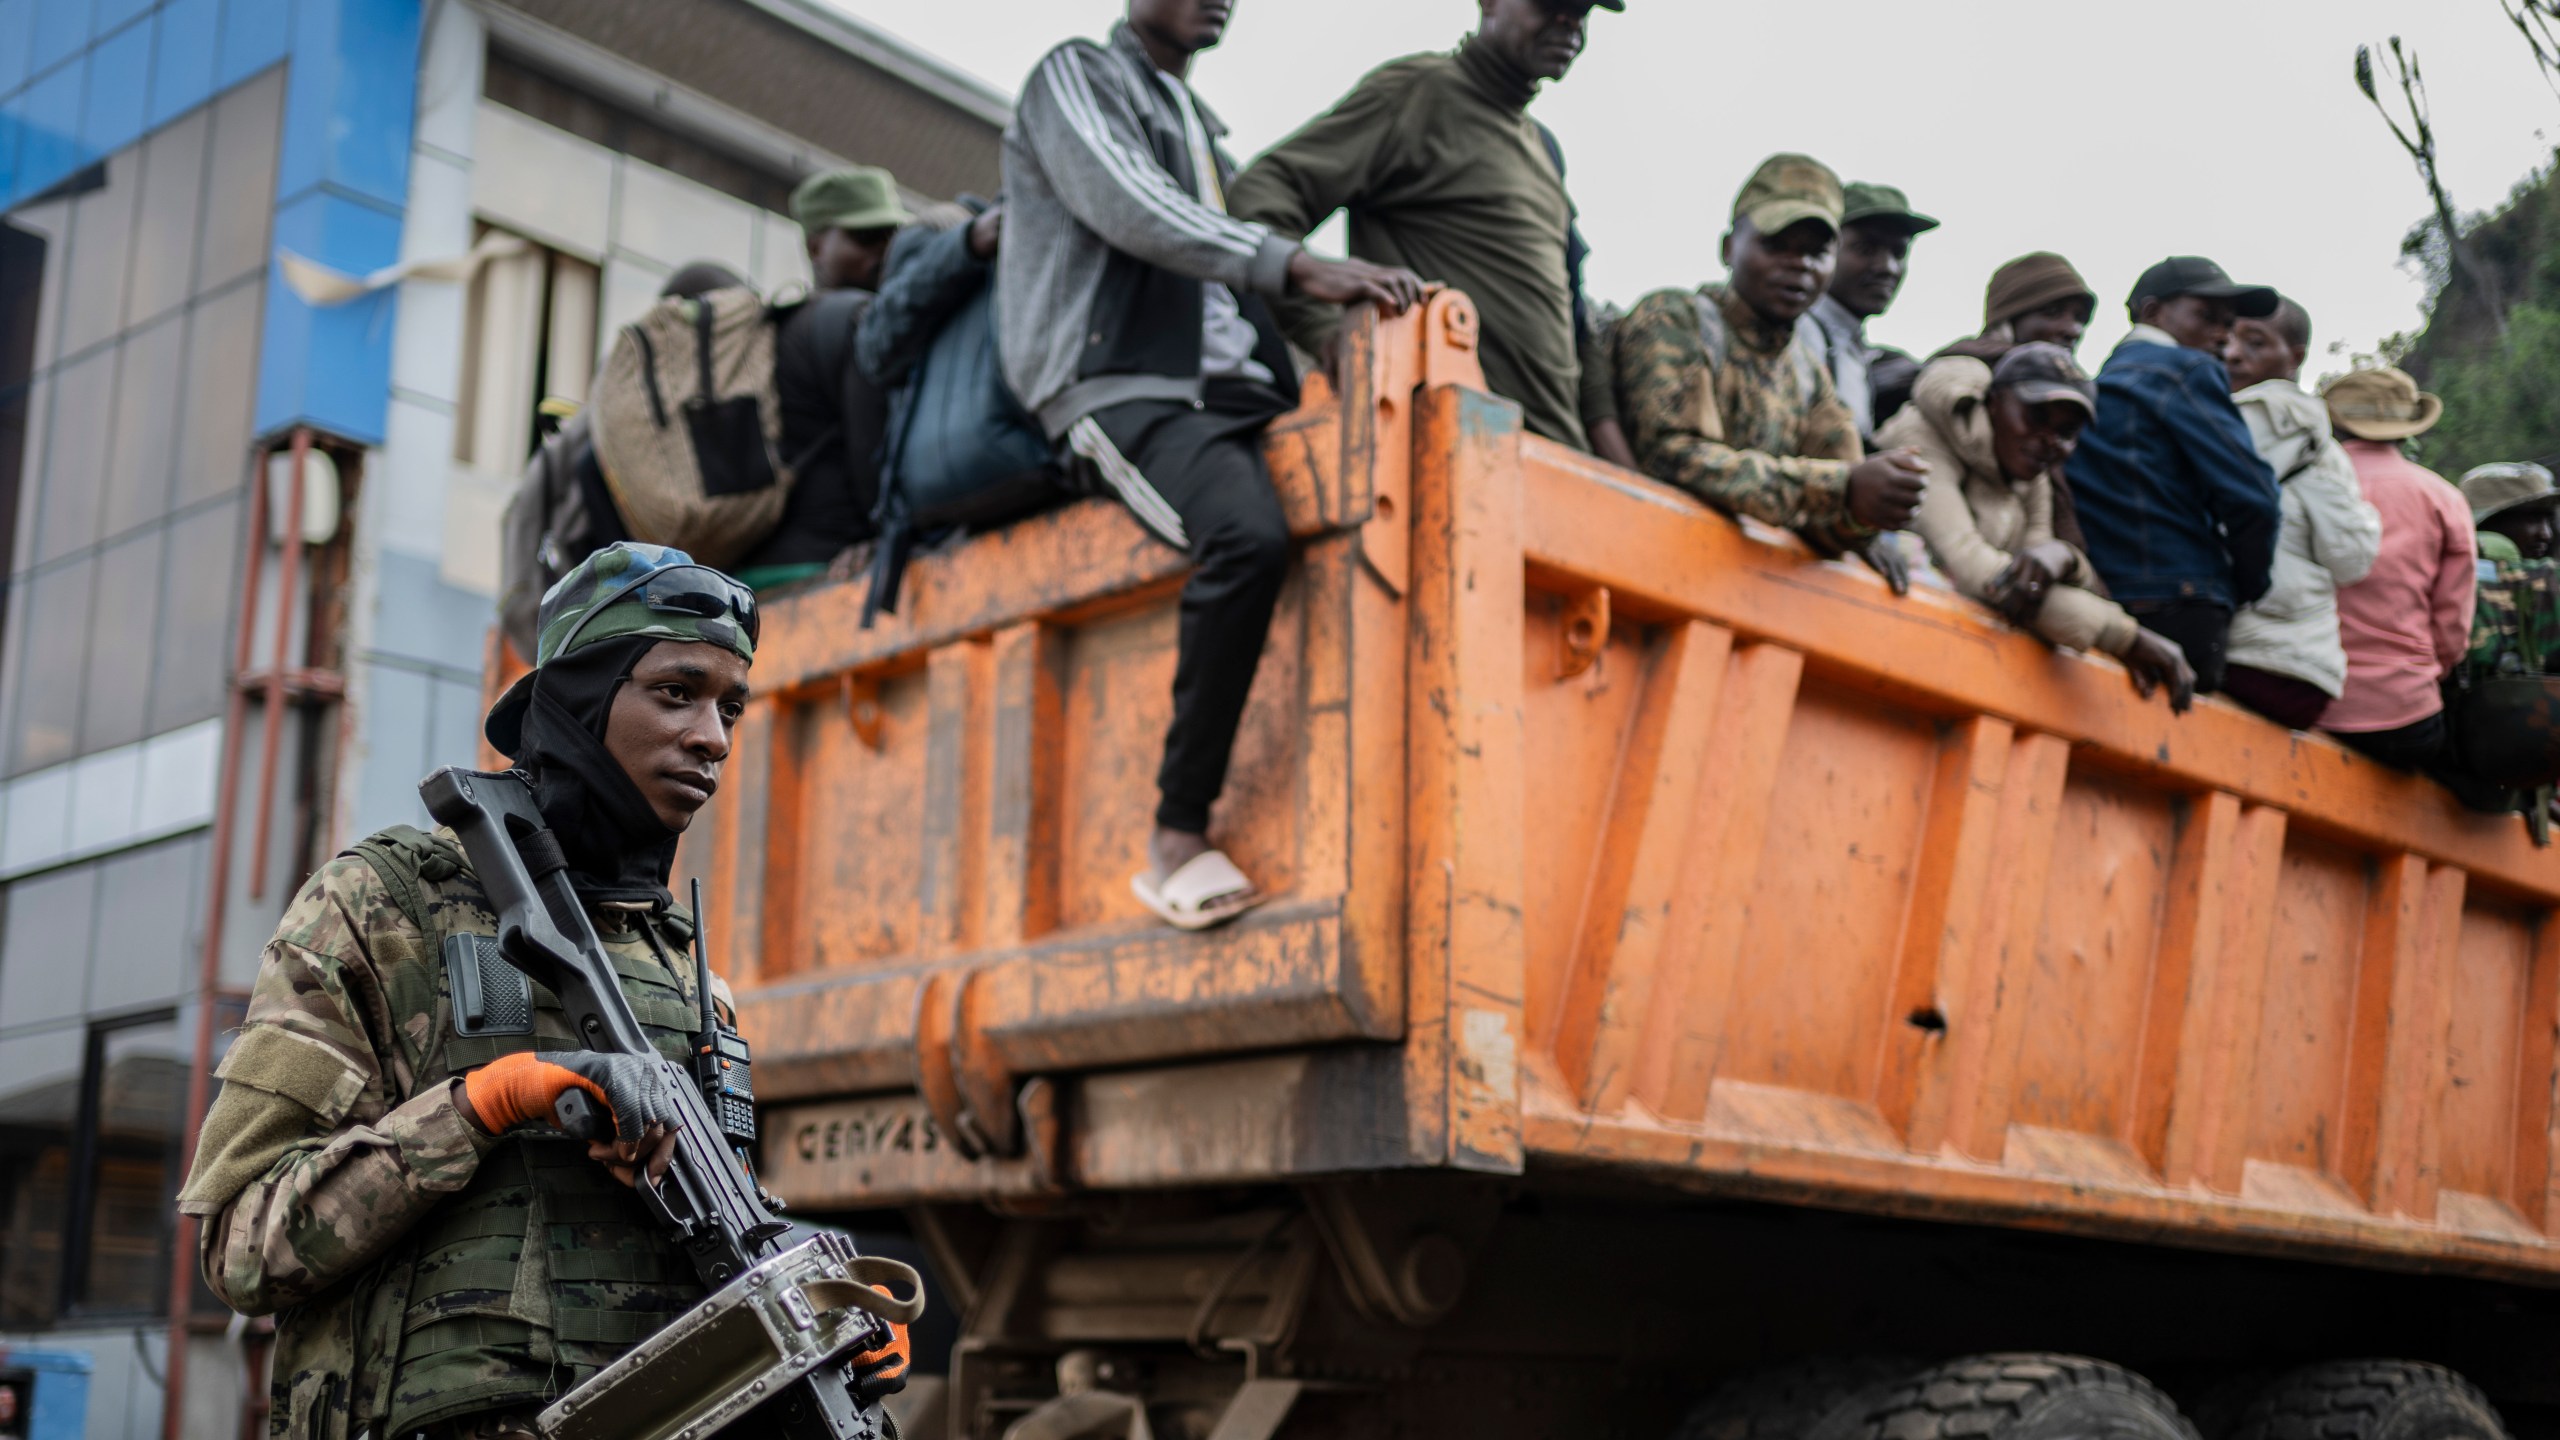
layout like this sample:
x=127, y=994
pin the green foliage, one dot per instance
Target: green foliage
x=2502, y=401
x=2501, y=390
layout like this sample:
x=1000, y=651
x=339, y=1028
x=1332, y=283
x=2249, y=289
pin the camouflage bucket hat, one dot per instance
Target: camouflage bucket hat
x=628, y=588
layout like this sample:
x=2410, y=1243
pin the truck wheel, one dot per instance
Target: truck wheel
x=1816, y=1399
x=2371, y=1400
x=2023, y=1397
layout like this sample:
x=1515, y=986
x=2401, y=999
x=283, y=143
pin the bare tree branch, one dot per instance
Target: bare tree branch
x=2538, y=21
x=2418, y=137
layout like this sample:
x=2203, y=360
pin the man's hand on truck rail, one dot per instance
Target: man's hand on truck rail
x=526, y=1089
x=1392, y=288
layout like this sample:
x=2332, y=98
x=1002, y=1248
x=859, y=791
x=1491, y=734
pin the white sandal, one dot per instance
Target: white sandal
x=1207, y=890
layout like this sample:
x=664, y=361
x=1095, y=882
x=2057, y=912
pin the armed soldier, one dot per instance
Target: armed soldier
x=379, y=1165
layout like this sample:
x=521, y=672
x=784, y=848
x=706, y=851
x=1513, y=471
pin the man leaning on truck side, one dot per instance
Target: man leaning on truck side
x=1722, y=399
x=1134, y=326
x=378, y=1168
x=1444, y=171
x=2179, y=514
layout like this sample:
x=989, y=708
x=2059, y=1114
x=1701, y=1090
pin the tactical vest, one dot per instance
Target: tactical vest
x=544, y=1268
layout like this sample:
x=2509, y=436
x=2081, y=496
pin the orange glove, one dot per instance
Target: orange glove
x=883, y=1372
x=523, y=1088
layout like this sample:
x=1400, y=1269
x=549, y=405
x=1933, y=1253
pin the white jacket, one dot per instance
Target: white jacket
x=2330, y=538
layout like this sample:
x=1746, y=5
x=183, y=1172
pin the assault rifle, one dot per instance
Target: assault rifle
x=767, y=1353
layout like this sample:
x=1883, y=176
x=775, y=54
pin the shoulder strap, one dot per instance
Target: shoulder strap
x=404, y=856
x=1808, y=375
x=1711, y=330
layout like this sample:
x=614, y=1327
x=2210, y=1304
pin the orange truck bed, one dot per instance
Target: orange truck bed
x=1606, y=833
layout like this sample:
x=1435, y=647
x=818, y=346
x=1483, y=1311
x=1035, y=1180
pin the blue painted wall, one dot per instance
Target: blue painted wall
x=81, y=79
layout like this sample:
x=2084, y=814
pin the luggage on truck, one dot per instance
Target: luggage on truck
x=688, y=429
x=961, y=451
x=561, y=514
x=2502, y=704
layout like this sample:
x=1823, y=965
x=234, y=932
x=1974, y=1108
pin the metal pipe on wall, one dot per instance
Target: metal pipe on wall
x=182, y=1264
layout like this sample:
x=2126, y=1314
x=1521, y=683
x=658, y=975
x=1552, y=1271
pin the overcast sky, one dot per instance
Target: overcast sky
x=2113, y=133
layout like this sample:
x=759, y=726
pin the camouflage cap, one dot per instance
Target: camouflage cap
x=1786, y=189
x=1866, y=203
x=859, y=197
x=628, y=588
x=2507, y=485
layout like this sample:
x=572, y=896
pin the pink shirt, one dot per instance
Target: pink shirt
x=2407, y=622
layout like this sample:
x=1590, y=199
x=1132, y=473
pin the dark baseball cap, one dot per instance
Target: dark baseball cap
x=2043, y=373
x=1871, y=204
x=2195, y=275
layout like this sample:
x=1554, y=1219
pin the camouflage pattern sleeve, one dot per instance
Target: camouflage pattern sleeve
x=315, y=1158
x=1667, y=403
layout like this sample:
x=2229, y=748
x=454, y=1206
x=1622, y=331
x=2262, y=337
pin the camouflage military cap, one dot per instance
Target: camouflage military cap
x=2507, y=485
x=628, y=588
x=1786, y=189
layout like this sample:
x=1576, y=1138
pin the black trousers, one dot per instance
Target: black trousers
x=1194, y=476
x=2409, y=747
x=2201, y=628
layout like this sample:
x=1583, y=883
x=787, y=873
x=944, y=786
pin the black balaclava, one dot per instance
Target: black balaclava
x=618, y=850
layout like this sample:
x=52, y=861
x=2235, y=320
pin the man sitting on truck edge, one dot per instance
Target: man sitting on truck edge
x=1995, y=437
x=1445, y=174
x=2284, y=660
x=1721, y=399
x=377, y=1167
x=833, y=416
x=1134, y=328
x=2408, y=622
x=1877, y=226
x=2178, y=512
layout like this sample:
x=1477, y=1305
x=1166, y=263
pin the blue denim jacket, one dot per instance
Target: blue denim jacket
x=2171, y=493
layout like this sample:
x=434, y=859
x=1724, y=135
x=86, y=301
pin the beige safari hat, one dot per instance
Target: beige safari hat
x=2383, y=404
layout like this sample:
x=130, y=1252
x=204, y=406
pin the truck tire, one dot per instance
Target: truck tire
x=1815, y=1399
x=2024, y=1397
x=2371, y=1400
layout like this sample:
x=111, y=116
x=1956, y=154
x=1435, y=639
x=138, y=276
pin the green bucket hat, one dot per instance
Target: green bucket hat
x=861, y=197
x=628, y=588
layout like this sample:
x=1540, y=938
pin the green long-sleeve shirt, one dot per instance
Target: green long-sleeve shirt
x=1444, y=173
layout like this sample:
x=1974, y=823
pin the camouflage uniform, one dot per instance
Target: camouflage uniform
x=1757, y=431
x=429, y=1275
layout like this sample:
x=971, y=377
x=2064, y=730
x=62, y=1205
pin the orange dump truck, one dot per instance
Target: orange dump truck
x=1689, y=971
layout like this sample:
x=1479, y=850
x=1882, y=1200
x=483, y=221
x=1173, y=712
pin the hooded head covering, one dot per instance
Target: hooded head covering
x=597, y=622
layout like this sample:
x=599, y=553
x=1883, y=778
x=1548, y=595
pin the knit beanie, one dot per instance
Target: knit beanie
x=2030, y=283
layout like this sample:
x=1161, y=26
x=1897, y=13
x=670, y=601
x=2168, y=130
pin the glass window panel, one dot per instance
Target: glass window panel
x=30, y=491
x=39, y=1099
x=240, y=181
x=101, y=254
x=76, y=462
x=46, y=727
x=202, y=576
x=164, y=239
x=136, y=489
x=120, y=622
x=142, y=1087
x=221, y=393
x=52, y=220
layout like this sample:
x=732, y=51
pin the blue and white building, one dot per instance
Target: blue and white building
x=504, y=182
